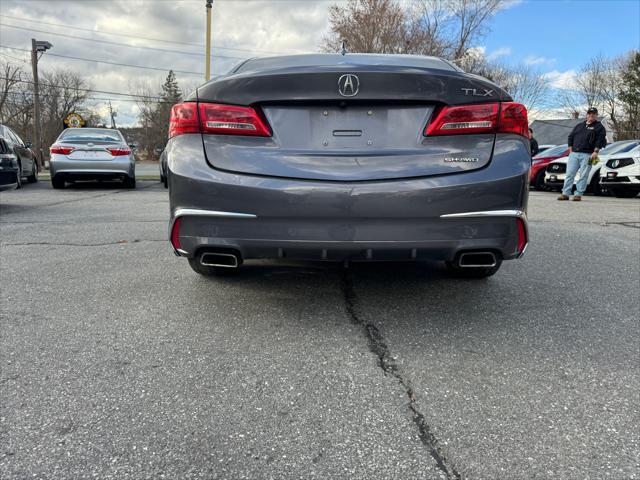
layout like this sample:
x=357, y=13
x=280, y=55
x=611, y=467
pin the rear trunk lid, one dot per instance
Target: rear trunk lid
x=377, y=133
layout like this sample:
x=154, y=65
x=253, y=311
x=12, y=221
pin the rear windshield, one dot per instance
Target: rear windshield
x=90, y=135
x=330, y=59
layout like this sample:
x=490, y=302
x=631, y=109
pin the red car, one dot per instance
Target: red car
x=540, y=162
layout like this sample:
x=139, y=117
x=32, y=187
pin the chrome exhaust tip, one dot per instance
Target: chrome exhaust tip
x=224, y=260
x=477, y=259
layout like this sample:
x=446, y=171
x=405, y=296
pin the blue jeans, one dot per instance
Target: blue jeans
x=577, y=162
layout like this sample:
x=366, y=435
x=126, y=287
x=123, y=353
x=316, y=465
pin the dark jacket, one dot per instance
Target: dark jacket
x=586, y=138
x=534, y=147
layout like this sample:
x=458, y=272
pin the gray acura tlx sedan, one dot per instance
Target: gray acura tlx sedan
x=349, y=158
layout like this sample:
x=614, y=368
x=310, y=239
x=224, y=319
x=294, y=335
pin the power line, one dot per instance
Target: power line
x=105, y=32
x=105, y=99
x=107, y=42
x=152, y=97
x=186, y=72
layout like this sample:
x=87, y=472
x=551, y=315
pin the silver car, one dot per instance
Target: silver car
x=349, y=158
x=91, y=154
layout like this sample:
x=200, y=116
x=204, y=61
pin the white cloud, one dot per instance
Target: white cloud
x=535, y=60
x=561, y=80
x=240, y=29
x=500, y=52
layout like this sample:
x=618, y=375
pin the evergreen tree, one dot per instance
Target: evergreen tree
x=630, y=97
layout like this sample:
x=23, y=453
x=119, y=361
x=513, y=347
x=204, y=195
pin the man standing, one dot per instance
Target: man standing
x=585, y=140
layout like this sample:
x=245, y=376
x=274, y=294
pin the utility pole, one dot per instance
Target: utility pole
x=37, y=46
x=207, y=69
x=113, y=115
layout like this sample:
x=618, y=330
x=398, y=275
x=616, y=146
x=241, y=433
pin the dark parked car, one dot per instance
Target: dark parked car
x=349, y=158
x=9, y=171
x=27, y=165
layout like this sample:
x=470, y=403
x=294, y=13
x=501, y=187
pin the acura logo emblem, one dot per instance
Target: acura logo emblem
x=615, y=163
x=556, y=167
x=348, y=85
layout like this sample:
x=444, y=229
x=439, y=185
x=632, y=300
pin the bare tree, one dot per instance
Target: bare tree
x=446, y=28
x=525, y=84
x=62, y=92
x=9, y=83
x=375, y=26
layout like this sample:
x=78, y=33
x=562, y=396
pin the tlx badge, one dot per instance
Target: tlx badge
x=477, y=92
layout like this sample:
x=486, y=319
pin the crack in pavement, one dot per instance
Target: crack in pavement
x=118, y=242
x=387, y=363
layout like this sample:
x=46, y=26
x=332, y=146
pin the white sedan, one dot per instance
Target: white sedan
x=621, y=174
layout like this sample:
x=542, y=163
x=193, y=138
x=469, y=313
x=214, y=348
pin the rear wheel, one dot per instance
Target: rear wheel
x=165, y=181
x=129, y=182
x=623, y=193
x=473, y=272
x=57, y=182
x=19, y=176
x=33, y=178
x=208, y=271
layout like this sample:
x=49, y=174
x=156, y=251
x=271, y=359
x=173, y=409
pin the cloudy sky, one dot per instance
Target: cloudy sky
x=556, y=37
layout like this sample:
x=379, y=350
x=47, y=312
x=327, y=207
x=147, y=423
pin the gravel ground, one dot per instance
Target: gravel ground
x=117, y=361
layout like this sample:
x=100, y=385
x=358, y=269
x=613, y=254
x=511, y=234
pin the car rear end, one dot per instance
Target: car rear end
x=348, y=158
x=91, y=154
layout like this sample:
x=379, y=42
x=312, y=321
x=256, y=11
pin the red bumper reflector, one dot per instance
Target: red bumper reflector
x=175, y=234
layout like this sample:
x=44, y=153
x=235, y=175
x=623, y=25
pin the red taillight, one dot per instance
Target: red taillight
x=214, y=118
x=505, y=117
x=464, y=119
x=513, y=119
x=184, y=119
x=116, y=152
x=232, y=120
x=60, y=150
x=522, y=235
x=175, y=234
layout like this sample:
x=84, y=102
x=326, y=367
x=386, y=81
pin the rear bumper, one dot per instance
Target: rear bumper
x=407, y=219
x=81, y=168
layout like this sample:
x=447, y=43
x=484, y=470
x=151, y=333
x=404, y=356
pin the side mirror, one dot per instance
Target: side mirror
x=28, y=144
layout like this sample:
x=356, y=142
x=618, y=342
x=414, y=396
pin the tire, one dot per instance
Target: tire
x=622, y=193
x=538, y=183
x=19, y=177
x=33, y=178
x=165, y=181
x=57, y=183
x=207, y=271
x=129, y=182
x=595, y=186
x=480, y=272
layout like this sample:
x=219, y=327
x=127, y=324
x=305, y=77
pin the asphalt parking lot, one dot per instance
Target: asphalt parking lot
x=117, y=361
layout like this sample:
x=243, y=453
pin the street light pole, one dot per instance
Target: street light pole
x=37, y=46
x=36, y=104
x=207, y=69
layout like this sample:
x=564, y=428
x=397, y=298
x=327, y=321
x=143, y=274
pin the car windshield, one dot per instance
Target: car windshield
x=619, y=147
x=90, y=135
x=552, y=152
